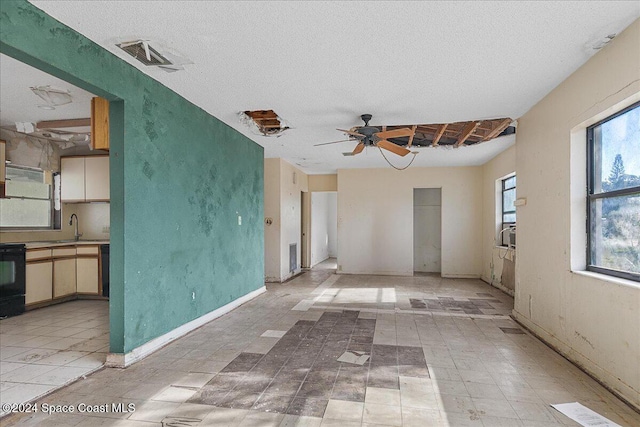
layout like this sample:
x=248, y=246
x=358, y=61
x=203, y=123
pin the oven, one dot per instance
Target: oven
x=12, y=279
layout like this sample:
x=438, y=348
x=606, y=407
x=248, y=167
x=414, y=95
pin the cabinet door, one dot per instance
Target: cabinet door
x=99, y=123
x=87, y=275
x=72, y=179
x=39, y=281
x=96, y=178
x=64, y=277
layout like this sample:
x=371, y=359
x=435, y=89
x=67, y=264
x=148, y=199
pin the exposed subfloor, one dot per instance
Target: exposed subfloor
x=43, y=349
x=442, y=352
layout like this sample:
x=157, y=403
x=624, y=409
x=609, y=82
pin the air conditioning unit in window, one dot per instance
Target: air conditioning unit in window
x=512, y=236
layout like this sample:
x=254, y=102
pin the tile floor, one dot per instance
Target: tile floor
x=272, y=362
x=44, y=349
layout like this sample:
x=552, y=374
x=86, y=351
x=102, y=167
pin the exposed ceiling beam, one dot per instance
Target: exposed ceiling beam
x=59, y=124
x=502, y=125
x=466, y=132
x=438, y=134
x=413, y=133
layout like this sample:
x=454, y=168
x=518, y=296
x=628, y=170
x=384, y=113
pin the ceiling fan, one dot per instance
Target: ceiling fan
x=373, y=136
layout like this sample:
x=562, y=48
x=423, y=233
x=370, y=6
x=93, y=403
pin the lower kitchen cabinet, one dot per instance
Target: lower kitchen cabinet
x=39, y=282
x=63, y=271
x=87, y=275
x=64, y=277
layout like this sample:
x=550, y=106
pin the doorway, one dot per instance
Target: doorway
x=305, y=228
x=427, y=230
x=324, y=226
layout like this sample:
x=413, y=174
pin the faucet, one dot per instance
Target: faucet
x=76, y=235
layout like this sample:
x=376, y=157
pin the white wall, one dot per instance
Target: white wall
x=319, y=227
x=333, y=224
x=492, y=257
x=427, y=233
x=591, y=318
x=375, y=219
x=290, y=214
x=282, y=203
x=272, y=211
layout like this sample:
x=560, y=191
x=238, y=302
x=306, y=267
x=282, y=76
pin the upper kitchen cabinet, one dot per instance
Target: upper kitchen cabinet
x=99, y=124
x=72, y=179
x=84, y=179
x=96, y=182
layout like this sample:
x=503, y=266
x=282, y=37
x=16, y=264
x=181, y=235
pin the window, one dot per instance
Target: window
x=28, y=203
x=507, y=238
x=613, y=199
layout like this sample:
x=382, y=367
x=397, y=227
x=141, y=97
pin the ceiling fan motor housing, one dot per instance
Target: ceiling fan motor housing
x=365, y=118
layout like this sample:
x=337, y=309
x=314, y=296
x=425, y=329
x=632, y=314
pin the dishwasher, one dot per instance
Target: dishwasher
x=12, y=279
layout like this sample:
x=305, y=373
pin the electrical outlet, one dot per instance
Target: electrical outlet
x=239, y=220
x=106, y=229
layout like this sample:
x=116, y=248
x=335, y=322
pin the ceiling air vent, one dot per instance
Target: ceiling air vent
x=144, y=53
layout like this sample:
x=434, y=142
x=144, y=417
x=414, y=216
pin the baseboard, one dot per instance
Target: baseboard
x=377, y=273
x=603, y=377
x=120, y=360
x=460, y=276
x=499, y=286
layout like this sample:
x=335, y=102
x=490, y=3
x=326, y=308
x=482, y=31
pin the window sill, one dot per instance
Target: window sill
x=507, y=248
x=611, y=279
x=30, y=230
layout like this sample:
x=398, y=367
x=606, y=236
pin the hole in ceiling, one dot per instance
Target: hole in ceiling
x=143, y=52
x=264, y=122
x=450, y=135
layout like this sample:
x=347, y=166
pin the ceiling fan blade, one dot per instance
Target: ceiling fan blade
x=396, y=133
x=358, y=149
x=334, y=142
x=390, y=146
x=356, y=134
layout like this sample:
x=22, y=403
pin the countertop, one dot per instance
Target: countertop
x=54, y=243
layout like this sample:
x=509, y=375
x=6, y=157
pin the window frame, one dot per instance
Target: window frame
x=507, y=224
x=592, y=198
x=54, y=215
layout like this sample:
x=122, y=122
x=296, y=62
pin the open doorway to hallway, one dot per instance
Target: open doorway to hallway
x=323, y=227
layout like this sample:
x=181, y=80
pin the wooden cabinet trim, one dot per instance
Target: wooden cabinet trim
x=39, y=260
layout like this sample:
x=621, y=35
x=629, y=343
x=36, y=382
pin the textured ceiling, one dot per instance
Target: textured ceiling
x=19, y=104
x=319, y=65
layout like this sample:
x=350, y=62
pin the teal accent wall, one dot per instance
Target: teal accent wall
x=179, y=180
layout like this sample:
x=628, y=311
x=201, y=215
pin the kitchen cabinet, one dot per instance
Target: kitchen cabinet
x=84, y=179
x=72, y=179
x=87, y=274
x=64, y=277
x=96, y=178
x=99, y=124
x=64, y=271
x=39, y=281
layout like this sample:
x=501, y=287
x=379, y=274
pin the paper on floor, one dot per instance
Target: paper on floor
x=355, y=357
x=583, y=415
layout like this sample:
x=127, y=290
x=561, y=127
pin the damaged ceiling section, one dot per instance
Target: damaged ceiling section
x=452, y=135
x=156, y=55
x=71, y=131
x=263, y=122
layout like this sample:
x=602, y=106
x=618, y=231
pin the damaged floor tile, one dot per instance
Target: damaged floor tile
x=273, y=334
x=355, y=357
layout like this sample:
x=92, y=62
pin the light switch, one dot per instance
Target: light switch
x=239, y=220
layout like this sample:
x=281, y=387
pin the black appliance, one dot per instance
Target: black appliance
x=13, y=268
x=104, y=254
